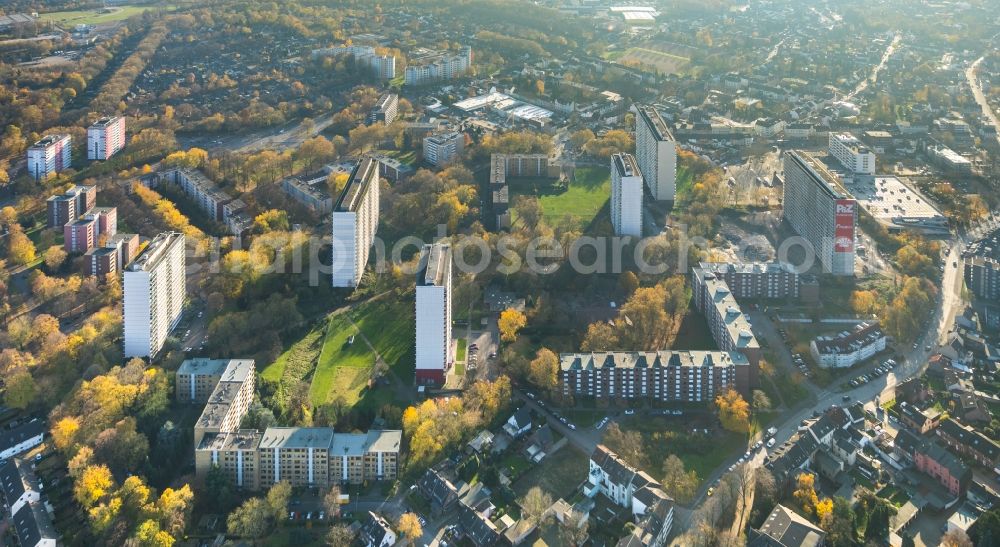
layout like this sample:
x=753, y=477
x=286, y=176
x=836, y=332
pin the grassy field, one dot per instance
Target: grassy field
x=389, y=325
x=298, y=359
x=343, y=369
x=97, y=16
x=660, y=62
x=579, y=203
x=558, y=474
x=460, y=352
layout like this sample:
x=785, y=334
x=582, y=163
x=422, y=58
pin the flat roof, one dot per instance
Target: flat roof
x=357, y=186
x=49, y=140
x=655, y=123
x=105, y=121
x=434, y=262
x=818, y=171
x=155, y=251
x=888, y=198
x=625, y=165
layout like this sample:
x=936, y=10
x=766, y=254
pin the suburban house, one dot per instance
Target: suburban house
x=786, y=528
x=376, y=532
x=519, y=423
x=652, y=509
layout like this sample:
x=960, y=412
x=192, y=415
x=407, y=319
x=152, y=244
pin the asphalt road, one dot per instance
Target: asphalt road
x=977, y=92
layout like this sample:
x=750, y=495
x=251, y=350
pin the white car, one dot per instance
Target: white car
x=770, y=442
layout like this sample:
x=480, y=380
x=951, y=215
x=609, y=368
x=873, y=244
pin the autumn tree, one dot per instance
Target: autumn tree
x=340, y=536
x=533, y=504
x=510, y=323
x=409, y=527
x=627, y=444
x=734, y=412
x=543, y=371
x=679, y=483
x=54, y=257
x=20, y=249
x=250, y=520
x=760, y=400
x=601, y=336
x=864, y=302
x=805, y=492
x=331, y=500
x=93, y=484
x=19, y=389
x=839, y=524
x=278, y=497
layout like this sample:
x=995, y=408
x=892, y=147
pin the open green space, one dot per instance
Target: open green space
x=389, y=325
x=578, y=202
x=663, y=436
x=98, y=16
x=460, y=352
x=405, y=156
x=558, y=474
x=298, y=358
x=344, y=366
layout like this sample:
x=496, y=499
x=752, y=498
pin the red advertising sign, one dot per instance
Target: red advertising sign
x=843, y=235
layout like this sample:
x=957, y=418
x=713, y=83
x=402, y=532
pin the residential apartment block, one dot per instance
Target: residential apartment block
x=303, y=456
x=982, y=276
x=652, y=509
x=436, y=66
x=68, y=206
x=226, y=386
x=383, y=67
x=311, y=191
x=153, y=293
x=217, y=204
x=662, y=376
x=21, y=438
x=355, y=220
x=848, y=347
x=82, y=234
x=113, y=256
x=758, y=280
x=50, y=155
x=819, y=210
x=442, y=148
x=105, y=138
x=385, y=110
x=728, y=324
x=197, y=378
x=656, y=153
x=433, y=314
x=626, y=195
x=853, y=154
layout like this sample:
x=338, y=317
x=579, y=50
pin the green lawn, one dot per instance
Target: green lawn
x=460, y=352
x=343, y=369
x=96, y=16
x=407, y=157
x=389, y=324
x=299, y=356
x=579, y=203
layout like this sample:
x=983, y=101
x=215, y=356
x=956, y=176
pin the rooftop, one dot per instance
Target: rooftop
x=848, y=342
x=365, y=174
x=155, y=251
x=649, y=359
x=434, y=262
x=625, y=165
x=105, y=121
x=819, y=173
x=49, y=140
x=655, y=123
